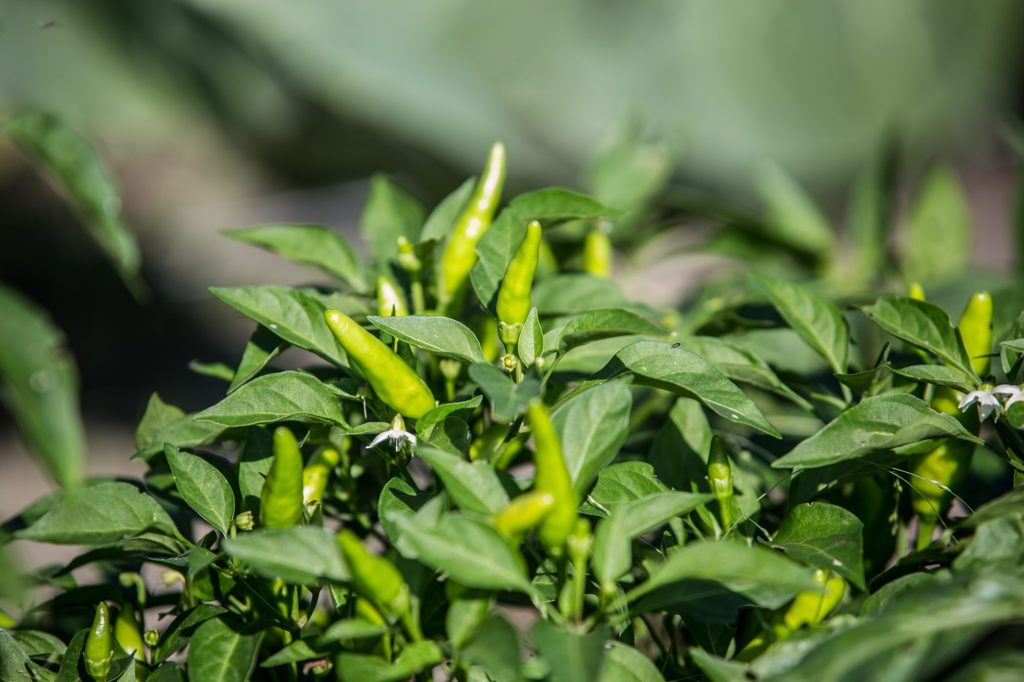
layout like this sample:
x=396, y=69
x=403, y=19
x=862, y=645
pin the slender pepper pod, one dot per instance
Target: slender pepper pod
x=316, y=474
x=514, y=295
x=390, y=298
x=523, y=513
x=460, y=250
x=552, y=477
x=281, y=496
x=374, y=577
x=976, y=330
x=916, y=291
x=393, y=381
x=940, y=471
x=597, y=253
x=128, y=634
x=720, y=479
x=99, y=645
x=810, y=608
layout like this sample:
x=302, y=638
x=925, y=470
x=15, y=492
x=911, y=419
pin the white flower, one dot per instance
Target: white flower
x=396, y=436
x=986, y=400
x=1015, y=394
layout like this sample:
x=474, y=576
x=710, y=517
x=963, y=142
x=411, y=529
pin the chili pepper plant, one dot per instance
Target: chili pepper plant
x=493, y=465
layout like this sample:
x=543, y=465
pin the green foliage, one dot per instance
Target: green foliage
x=768, y=564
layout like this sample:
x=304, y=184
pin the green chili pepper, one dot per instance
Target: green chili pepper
x=939, y=472
x=810, y=608
x=916, y=291
x=552, y=477
x=374, y=577
x=720, y=478
x=394, y=381
x=807, y=608
x=597, y=253
x=317, y=472
x=99, y=648
x=128, y=634
x=281, y=496
x=523, y=513
x=514, y=295
x=460, y=250
x=390, y=299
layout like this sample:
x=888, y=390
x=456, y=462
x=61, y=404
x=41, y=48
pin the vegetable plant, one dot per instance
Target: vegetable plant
x=492, y=465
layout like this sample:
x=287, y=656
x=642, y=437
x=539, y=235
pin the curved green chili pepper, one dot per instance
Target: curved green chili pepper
x=552, y=477
x=394, y=382
x=943, y=469
x=514, y=295
x=523, y=513
x=597, y=253
x=390, y=298
x=374, y=577
x=316, y=473
x=810, y=608
x=99, y=647
x=720, y=478
x=460, y=250
x=281, y=495
x=128, y=634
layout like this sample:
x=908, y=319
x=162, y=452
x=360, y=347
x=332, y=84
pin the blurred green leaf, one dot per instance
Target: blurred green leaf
x=390, y=212
x=302, y=555
x=572, y=656
x=220, y=651
x=792, y=218
x=40, y=387
x=815, y=318
x=940, y=231
x=81, y=174
x=313, y=245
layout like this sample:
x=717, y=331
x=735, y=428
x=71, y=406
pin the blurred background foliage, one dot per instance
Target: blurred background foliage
x=217, y=113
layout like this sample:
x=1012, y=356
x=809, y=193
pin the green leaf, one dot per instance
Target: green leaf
x=293, y=315
x=39, y=644
x=399, y=499
x=495, y=648
x=442, y=219
x=740, y=365
x=177, y=635
x=571, y=293
x=299, y=650
x=825, y=536
x=939, y=230
x=313, y=245
x=923, y=326
x=14, y=662
x=302, y=554
x=220, y=652
x=473, y=486
x=881, y=422
x=792, y=218
x=81, y=173
x=262, y=347
x=719, y=669
x=508, y=399
x=469, y=551
x=40, y=387
x=674, y=369
x=184, y=432
x=283, y=396
x=157, y=416
x=498, y=244
x=622, y=483
x=426, y=424
x=68, y=671
x=350, y=628
x=613, y=554
x=938, y=375
x=203, y=488
x=390, y=212
x=742, y=568
x=815, y=318
x=414, y=659
x=592, y=426
x=631, y=171
x=440, y=335
x=594, y=325
x=98, y=515
x=571, y=656
x=870, y=208
x=531, y=339
x=623, y=663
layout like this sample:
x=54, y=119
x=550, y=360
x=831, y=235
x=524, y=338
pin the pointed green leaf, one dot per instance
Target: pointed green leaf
x=203, y=488
x=313, y=245
x=284, y=396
